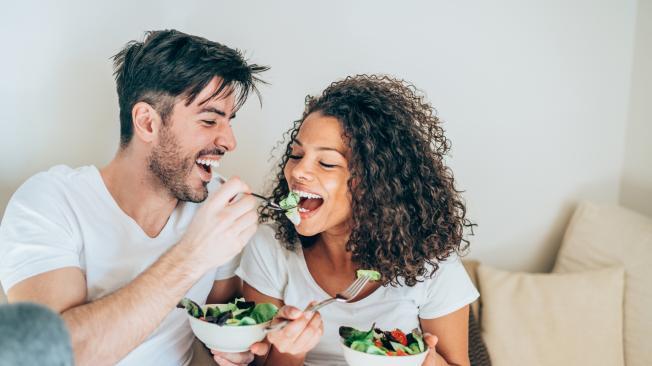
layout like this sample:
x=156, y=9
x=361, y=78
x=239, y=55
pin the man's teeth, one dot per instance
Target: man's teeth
x=307, y=194
x=301, y=209
x=207, y=162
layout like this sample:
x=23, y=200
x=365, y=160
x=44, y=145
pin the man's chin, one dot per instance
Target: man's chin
x=194, y=195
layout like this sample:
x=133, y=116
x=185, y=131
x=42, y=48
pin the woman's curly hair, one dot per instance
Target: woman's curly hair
x=407, y=214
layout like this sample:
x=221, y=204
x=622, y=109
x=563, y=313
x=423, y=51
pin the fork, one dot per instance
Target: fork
x=268, y=201
x=345, y=296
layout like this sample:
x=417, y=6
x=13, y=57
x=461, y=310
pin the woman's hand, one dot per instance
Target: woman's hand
x=242, y=358
x=300, y=335
x=431, y=342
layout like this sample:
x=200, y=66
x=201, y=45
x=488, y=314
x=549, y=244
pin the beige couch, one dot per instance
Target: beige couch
x=595, y=308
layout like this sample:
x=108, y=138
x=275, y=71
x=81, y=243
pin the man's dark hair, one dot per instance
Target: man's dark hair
x=169, y=64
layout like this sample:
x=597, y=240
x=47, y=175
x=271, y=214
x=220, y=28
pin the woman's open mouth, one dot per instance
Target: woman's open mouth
x=309, y=203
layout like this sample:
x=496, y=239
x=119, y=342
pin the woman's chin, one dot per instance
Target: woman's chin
x=306, y=230
x=310, y=226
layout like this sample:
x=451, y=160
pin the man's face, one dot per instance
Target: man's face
x=191, y=142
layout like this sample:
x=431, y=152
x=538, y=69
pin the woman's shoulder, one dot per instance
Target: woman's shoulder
x=447, y=289
x=265, y=244
x=447, y=274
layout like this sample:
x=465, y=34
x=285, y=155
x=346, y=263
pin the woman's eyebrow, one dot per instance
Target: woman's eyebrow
x=321, y=148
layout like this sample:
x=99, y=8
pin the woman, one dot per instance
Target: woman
x=367, y=157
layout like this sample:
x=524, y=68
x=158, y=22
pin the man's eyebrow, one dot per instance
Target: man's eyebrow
x=216, y=111
x=320, y=148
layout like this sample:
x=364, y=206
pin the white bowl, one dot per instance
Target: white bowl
x=226, y=338
x=357, y=358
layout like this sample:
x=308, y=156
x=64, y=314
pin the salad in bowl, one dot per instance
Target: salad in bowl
x=382, y=347
x=231, y=327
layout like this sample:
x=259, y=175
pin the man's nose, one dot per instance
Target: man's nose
x=225, y=138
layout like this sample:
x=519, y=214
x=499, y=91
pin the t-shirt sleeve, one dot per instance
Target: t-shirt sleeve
x=36, y=233
x=227, y=270
x=448, y=290
x=264, y=264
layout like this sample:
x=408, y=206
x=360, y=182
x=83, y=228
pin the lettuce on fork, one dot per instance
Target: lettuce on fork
x=373, y=275
x=291, y=206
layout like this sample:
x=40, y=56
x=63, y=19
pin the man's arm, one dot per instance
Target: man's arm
x=105, y=330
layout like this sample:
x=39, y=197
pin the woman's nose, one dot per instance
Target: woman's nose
x=302, y=171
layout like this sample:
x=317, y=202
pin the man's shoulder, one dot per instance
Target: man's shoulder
x=59, y=176
x=50, y=187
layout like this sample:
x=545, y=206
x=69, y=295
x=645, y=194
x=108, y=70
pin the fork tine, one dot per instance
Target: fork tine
x=355, y=287
x=355, y=291
x=268, y=201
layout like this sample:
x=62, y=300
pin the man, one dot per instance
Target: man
x=113, y=250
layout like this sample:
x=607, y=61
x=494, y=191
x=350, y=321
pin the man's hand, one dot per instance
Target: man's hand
x=221, y=227
x=240, y=359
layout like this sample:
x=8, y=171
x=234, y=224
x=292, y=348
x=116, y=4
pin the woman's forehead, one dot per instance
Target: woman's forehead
x=318, y=130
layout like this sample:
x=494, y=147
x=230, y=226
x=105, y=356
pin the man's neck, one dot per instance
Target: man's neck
x=139, y=194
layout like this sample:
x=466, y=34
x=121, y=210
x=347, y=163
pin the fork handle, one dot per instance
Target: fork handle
x=321, y=304
x=259, y=196
x=315, y=307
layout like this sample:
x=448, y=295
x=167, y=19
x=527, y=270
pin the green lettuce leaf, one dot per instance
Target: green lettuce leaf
x=191, y=307
x=373, y=275
x=398, y=346
x=290, y=202
x=263, y=312
x=416, y=333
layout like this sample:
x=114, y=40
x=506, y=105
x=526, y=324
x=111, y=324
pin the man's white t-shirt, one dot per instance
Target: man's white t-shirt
x=283, y=274
x=66, y=217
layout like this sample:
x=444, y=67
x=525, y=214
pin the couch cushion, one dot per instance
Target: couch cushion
x=471, y=267
x=552, y=319
x=600, y=236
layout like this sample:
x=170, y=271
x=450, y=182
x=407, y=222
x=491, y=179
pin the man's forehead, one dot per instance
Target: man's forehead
x=210, y=97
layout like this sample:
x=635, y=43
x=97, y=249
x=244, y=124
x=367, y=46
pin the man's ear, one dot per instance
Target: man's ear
x=147, y=122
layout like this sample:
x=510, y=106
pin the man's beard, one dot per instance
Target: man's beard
x=172, y=169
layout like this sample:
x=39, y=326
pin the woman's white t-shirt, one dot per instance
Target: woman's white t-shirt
x=283, y=274
x=66, y=217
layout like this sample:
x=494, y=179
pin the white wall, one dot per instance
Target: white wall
x=534, y=92
x=636, y=188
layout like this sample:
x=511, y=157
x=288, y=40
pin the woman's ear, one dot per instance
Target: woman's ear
x=146, y=121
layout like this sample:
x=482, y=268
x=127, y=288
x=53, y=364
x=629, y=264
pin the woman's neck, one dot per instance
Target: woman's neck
x=331, y=246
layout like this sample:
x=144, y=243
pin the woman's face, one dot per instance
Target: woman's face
x=317, y=169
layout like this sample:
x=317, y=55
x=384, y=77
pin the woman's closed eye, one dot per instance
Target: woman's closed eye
x=208, y=122
x=327, y=165
x=323, y=164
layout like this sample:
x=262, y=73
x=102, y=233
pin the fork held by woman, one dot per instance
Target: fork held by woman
x=345, y=296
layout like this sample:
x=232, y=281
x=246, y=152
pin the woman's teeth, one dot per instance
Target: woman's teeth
x=307, y=194
x=308, y=201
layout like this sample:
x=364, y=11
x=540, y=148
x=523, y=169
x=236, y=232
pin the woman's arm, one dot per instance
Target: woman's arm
x=290, y=345
x=452, y=333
